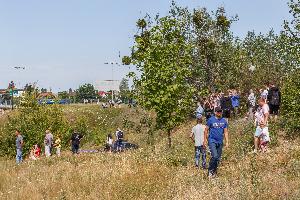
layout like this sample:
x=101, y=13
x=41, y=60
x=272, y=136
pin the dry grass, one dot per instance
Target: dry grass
x=151, y=173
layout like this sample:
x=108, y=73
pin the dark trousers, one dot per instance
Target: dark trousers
x=216, y=152
x=75, y=148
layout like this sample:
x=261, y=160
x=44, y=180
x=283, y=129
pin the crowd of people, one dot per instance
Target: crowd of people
x=218, y=108
x=50, y=143
x=229, y=102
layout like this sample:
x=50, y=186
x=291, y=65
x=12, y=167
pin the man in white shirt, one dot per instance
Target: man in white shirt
x=197, y=135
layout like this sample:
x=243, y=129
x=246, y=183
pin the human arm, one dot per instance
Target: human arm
x=192, y=136
x=226, y=137
x=266, y=117
x=205, y=136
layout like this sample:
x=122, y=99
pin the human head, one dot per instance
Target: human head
x=18, y=132
x=218, y=112
x=199, y=120
x=47, y=131
x=251, y=91
x=261, y=102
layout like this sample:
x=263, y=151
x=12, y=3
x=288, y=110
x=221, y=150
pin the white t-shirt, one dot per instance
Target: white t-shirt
x=198, y=133
x=259, y=115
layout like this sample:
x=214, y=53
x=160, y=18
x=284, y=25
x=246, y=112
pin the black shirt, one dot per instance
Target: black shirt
x=76, y=137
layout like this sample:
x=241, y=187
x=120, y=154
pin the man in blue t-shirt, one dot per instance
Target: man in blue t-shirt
x=216, y=129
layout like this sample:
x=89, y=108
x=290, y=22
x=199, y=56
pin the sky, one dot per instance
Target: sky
x=64, y=43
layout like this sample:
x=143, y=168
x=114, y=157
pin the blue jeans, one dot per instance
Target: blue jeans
x=19, y=156
x=200, y=150
x=216, y=152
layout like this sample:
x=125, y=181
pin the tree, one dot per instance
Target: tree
x=63, y=95
x=163, y=58
x=86, y=91
x=124, y=90
x=290, y=38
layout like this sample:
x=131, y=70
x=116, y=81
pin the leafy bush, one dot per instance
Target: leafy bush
x=33, y=120
x=291, y=103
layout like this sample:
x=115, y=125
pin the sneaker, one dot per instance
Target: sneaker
x=210, y=175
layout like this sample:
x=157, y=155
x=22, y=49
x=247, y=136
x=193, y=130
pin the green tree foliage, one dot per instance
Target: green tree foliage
x=215, y=53
x=86, y=91
x=163, y=58
x=63, y=95
x=290, y=45
x=124, y=90
x=291, y=103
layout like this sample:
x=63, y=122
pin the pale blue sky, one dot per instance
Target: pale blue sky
x=64, y=43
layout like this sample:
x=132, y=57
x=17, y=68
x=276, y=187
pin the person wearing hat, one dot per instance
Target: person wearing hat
x=215, y=131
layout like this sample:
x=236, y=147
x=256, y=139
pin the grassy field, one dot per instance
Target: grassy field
x=155, y=172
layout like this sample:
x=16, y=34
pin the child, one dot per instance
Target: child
x=35, y=152
x=197, y=136
x=57, y=145
x=263, y=133
x=109, y=142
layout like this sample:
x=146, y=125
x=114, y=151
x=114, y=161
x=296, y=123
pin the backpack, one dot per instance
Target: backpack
x=120, y=135
x=275, y=98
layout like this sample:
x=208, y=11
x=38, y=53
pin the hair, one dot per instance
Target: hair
x=17, y=130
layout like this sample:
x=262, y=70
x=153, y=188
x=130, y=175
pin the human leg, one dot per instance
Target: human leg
x=19, y=156
x=197, y=155
x=203, y=152
x=214, y=158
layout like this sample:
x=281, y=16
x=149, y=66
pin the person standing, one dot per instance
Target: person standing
x=251, y=104
x=119, y=139
x=197, y=135
x=274, y=100
x=109, y=142
x=235, y=99
x=19, y=146
x=226, y=106
x=75, y=142
x=261, y=118
x=48, y=142
x=57, y=145
x=215, y=131
x=199, y=111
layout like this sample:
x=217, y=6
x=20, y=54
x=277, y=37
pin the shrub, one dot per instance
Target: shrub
x=291, y=103
x=32, y=120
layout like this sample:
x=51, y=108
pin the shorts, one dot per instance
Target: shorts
x=226, y=113
x=259, y=131
x=274, y=109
